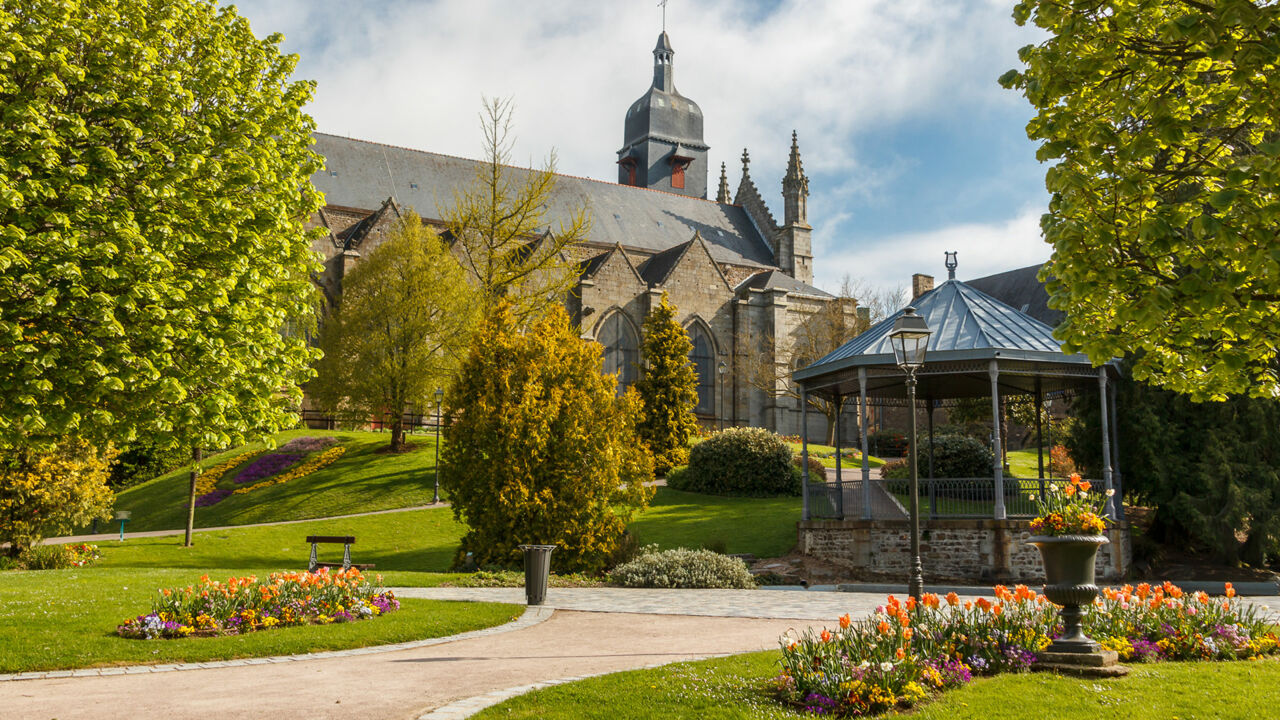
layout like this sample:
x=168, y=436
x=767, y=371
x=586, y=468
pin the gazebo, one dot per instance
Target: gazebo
x=980, y=347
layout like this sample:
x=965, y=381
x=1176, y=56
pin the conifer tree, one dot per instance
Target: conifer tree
x=668, y=389
x=540, y=448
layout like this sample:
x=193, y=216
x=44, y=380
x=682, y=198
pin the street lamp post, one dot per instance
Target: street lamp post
x=721, y=370
x=910, y=340
x=439, y=409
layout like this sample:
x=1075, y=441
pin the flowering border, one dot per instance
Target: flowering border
x=311, y=465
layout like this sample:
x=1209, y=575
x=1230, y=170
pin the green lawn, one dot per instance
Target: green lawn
x=62, y=619
x=407, y=545
x=854, y=462
x=361, y=480
x=765, y=527
x=736, y=688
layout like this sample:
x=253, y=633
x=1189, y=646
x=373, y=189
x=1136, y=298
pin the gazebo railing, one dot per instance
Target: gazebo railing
x=939, y=498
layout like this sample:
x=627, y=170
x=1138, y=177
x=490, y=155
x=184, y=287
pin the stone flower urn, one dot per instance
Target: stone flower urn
x=1069, y=582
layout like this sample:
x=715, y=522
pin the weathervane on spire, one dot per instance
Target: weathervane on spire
x=663, y=4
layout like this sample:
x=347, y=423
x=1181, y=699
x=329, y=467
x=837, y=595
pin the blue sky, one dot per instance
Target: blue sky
x=911, y=146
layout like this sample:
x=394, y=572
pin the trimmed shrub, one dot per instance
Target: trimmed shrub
x=740, y=461
x=955, y=456
x=683, y=568
x=888, y=443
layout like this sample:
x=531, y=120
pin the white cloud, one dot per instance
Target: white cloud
x=412, y=73
x=983, y=249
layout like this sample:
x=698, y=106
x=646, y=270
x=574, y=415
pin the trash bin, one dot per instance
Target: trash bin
x=537, y=566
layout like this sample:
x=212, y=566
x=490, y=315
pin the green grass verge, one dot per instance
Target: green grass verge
x=1024, y=464
x=415, y=542
x=765, y=527
x=60, y=619
x=362, y=480
x=736, y=688
x=855, y=464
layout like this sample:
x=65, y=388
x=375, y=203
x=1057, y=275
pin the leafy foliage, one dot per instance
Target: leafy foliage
x=1159, y=116
x=143, y=460
x=45, y=491
x=746, y=462
x=540, y=449
x=1209, y=469
x=683, y=568
x=154, y=182
x=406, y=311
x=668, y=389
x=955, y=456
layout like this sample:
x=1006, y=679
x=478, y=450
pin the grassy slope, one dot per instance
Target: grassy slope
x=361, y=480
x=67, y=618
x=736, y=688
x=872, y=460
x=424, y=541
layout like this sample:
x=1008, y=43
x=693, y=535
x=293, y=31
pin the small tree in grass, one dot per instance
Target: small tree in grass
x=540, y=449
x=47, y=490
x=404, y=320
x=668, y=389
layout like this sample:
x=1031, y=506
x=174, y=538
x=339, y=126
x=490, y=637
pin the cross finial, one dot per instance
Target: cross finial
x=951, y=263
x=663, y=4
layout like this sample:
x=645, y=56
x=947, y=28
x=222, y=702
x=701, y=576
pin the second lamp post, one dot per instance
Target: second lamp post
x=910, y=340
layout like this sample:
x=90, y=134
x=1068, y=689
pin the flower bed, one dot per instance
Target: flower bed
x=269, y=469
x=906, y=651
x=81, y=554
x=246, y=604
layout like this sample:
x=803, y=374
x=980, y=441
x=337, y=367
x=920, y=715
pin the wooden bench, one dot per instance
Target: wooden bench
x=346, y=540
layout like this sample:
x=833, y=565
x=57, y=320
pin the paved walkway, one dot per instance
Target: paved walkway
x=408, y=683
x=101, y=537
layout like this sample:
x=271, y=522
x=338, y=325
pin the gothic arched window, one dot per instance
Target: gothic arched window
x=621, y=349
x=703, y=357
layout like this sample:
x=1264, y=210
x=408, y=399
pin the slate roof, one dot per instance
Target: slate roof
x=362, y=174
x=967, y=325
x=772, y=279
x=1020, y=289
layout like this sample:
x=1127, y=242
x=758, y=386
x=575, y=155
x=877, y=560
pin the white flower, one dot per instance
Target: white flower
x=864, y=664
x=1110, y=492
x=886, y=666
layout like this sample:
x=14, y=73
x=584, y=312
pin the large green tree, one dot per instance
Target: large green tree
x=154, y=182
x=1160, y=119
x=668, y=389
x=401, y=327
x=541, y=449
x=1209, y=470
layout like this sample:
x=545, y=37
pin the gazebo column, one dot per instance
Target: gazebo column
x=804, y=453
x=866, y=462
x=1115, y=460
x=839, y=403
x=933, y=494
x=1109, y=508
x=993, y=369
x=1040, y=435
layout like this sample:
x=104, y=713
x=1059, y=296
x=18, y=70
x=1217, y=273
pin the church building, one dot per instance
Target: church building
x=741, y=280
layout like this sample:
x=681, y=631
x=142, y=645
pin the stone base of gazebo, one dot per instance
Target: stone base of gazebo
x=985, y=551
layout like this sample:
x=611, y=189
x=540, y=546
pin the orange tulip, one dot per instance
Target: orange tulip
x=845, y=621
x=883, y=627
x=1231, y=591
x=953, y=599
x=1086, y=486
x=900, y=654
x=826, y=636
x=908, y=633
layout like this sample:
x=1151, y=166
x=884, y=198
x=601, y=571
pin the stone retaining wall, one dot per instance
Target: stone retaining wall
x=978, y=550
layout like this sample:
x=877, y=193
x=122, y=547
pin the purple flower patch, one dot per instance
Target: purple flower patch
x=212, y=498
x=265, y=467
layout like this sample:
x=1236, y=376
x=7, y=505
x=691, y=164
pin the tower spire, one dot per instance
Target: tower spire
x=795, y=188
x=723, y=196
x=663, y=64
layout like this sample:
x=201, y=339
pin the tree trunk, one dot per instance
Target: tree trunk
x=1004, y=436
x=397, y=432
x=196, y=456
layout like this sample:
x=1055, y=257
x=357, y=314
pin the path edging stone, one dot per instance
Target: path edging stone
x=531, y=616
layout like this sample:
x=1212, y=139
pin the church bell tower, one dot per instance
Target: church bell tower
x=662, y=140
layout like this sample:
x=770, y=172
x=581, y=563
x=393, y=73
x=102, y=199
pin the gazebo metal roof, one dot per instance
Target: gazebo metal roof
x=971, y=329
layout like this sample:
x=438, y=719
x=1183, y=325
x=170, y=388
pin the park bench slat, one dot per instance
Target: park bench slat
x=344, y=539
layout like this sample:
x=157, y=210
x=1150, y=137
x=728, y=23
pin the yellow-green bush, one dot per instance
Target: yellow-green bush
x=47, y=490
x=540, y=449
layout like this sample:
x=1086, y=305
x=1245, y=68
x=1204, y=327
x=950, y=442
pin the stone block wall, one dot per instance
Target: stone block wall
x=969, y=550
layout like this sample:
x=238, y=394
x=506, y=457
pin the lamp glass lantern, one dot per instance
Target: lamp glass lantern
x=910, y=340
